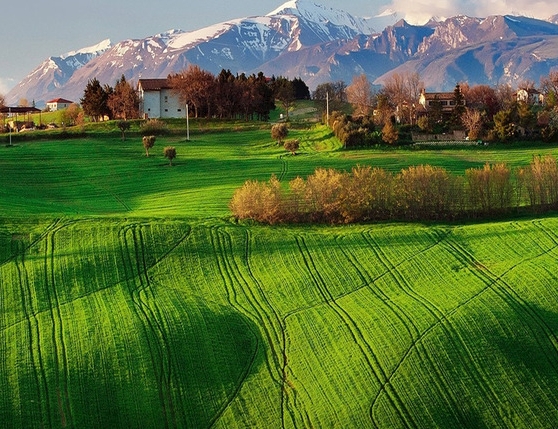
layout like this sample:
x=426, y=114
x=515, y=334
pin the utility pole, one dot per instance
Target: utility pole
x=327, y=108
x=187, y=123
x=9, y=116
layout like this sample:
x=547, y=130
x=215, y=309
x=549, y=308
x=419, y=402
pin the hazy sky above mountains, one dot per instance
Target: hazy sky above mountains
x=34, y=30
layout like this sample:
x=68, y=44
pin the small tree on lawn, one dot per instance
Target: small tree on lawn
x=292, y=146
x=124, y=126
x=279, y=132
x=148, y=143
x=170, y=153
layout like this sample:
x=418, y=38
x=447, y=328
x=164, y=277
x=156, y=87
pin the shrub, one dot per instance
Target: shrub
x=279, y=132
x=148, y=143
x=170, y=153
x=292, y=146
x=260, y=201
x=153, y=127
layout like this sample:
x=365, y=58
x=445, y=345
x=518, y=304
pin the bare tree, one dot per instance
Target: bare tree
x=472, y=121
x=481, y=97
x=123, y=101
x=549, y=87
x=359, y=94
x=504, y=93
x=196, y=87
x=403, y=91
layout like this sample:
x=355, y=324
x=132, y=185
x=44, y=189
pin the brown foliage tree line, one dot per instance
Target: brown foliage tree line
x=229, y=96
x=418, y=193
x=483, y=112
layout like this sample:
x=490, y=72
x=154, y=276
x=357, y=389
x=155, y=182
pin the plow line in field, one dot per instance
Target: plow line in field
x=509, y=295
x=393, y=270
x=441, y=320
x=138, y=282
x=60, y=356
x=221, y=249
x=365, y=348
x=37, y=360
x=279, y=340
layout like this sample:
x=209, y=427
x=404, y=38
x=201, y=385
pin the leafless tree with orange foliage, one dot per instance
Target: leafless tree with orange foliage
x=403, y=92
x=359, y=94
x=194, y=87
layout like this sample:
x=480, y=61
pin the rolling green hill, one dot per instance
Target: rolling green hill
x=128, y=298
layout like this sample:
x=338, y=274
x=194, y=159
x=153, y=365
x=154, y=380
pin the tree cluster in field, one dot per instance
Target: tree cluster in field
x=359, y=131
x=482, y=111
x=230, y=96
x=120, y=102
x=418, y=193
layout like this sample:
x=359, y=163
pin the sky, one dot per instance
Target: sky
x=38, y=29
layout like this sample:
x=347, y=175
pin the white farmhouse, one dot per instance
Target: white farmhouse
x=158, y=100
x=529, y=96
x=58, y=104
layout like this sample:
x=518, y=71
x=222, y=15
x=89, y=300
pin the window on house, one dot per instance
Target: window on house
x=166, y=98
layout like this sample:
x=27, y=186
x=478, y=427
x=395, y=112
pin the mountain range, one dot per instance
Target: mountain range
x=318, y=44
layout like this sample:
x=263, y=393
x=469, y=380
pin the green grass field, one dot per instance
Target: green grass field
x=128, y=298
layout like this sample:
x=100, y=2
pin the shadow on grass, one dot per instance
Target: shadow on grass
x=182, y=365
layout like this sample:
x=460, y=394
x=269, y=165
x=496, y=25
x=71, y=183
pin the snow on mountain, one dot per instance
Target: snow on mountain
x=51, y=76
x=95, y=50
x=319, y=44
x=240, y=45
x=323, y=16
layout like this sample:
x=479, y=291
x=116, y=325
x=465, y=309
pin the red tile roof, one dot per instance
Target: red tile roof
x=60, y=100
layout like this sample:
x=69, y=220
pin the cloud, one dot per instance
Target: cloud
x=5, y=85
x=420, y=11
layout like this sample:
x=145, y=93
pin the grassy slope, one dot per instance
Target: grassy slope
x=191, y=321
x=105, y=176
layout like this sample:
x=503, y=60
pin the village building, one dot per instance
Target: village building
x=158, y=100
x=446, y=100
x=58, y=104
x=529, y=96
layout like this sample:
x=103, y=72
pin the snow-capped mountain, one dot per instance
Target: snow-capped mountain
x=318, y=44
x=54, y=73
x=493, y=50
x=241, y=45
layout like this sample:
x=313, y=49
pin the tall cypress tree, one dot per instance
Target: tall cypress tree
x=94, y=100
x=459, y=106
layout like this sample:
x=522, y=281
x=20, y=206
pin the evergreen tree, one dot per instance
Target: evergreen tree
x=459, y=106
x=95, y=99
x=302, y=92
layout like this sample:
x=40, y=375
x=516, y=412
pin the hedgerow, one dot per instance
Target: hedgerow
x=418, y=193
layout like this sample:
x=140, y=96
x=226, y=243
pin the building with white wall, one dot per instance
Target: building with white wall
x=58, y=104
x=158, y=100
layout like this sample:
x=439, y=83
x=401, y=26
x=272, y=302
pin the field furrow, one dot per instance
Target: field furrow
x=113, y=323
x=374, y=365
x=60, y=357
x=429, y=312
x=34, y=335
